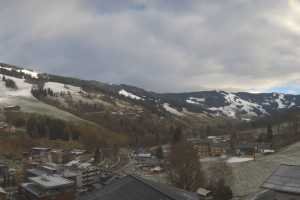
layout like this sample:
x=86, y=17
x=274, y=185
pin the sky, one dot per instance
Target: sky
x=159, y=45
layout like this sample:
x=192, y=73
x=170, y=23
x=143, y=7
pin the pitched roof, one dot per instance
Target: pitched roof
x=135, y=188
x=203, y=192
x=286, y=178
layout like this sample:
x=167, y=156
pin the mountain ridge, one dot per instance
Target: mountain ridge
x=213, y=103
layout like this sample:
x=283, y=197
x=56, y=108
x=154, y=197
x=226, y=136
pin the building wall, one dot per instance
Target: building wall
x=207, y=150
x=90, y=176
x=217, y=151
x=66, y=194
x=2, y=196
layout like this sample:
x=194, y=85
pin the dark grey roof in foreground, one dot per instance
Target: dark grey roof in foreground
x=286, y=178
x=273, y=195
x=135, y=188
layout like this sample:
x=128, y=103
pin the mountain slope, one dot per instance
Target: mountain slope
x=22, y=97
x=124, y=99
x=236, y=105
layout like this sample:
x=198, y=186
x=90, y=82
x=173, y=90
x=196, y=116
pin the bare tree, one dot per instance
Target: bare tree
x=184, y=168
x=217, y=173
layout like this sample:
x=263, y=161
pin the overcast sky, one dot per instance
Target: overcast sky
x=160, y=45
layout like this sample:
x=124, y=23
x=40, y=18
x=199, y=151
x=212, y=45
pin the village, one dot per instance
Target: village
x=47, y=172
x=77, y=174
x=59, y=174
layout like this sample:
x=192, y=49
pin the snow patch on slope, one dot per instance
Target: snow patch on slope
x=171, y=110
x=33, y=74
x=195, y=100
x=28, y=103
x=239, y=159
x=59, y=87
x=292, y=105
x=236, y=104
x=129, y=95
x=280, y=101
x=6, y=68
x=24, y=89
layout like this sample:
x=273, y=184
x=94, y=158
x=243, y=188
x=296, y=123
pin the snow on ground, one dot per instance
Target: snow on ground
x=168, y=108
x=211, y=137
x=33, y=74
x=23, y=97
x=236, y=104
x=59, y=87
x=213, y=159
x=24, y=89
x=6, y=68
x=239, y=159
x=268, y=151
x=195, y=100
x=226, y=110
x=191, y=101
x=129, y=95
x=76, y=92
x=292, y=104
x=266, y=103
x=246, y=119
x=280, y=101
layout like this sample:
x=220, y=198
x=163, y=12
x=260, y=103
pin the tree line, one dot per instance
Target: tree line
x=53, y=129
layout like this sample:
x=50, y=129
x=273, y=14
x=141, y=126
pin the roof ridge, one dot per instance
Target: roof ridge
x=270, y=184
x=153, y=187
x=291, y=165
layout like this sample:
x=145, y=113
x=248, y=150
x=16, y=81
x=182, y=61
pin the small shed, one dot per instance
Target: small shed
x=12, y=108
x=204, y=194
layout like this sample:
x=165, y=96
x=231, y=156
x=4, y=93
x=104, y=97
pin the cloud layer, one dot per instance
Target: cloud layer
x=161, y=45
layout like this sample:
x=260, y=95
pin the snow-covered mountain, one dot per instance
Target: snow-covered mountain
x=125, y=98
x=241, y=105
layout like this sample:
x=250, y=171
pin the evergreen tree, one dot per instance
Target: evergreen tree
x=9, y=83
x=233, y=140
x=159, y=153
x=269, y=136
x=208, y=130
x=177, y=135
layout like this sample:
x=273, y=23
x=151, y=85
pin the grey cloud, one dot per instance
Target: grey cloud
x=161, y=45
